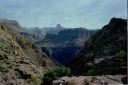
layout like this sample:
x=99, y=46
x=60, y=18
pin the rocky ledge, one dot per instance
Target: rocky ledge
x=91, y=80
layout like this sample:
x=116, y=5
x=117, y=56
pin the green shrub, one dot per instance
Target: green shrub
x=91, y=72
x=23, y=42
x=35, y=80
x=55, y=73
x=121, y=53
x=90, y=69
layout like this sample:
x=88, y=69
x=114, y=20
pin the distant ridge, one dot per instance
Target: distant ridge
x=64, y=45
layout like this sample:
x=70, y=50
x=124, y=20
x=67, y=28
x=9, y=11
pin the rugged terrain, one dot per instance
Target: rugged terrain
x=105, y=52
x=90, y=80
x=21, y=62
x=37, y=34
x=103, y=58
x=64, y=45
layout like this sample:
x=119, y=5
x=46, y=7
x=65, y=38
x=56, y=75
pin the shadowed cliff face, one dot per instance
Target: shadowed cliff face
x=20, y=60
x=104, y=52
x=61, y=55
x=63, y=46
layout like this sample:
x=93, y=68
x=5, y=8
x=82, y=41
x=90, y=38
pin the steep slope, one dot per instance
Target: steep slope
x=62, y=46
x=21, y=62
x=35, y=34
x=12, y=24
x=105, y=52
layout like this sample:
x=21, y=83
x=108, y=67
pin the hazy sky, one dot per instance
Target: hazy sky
x=91, y=14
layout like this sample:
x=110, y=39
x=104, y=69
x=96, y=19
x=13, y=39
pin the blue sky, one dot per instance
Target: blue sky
x=92, y=14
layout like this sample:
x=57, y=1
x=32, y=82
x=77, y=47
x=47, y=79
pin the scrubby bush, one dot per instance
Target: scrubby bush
x=121, y=53
x=55, y=73
x=35, y=80
x=111, y=65
x=24, y=42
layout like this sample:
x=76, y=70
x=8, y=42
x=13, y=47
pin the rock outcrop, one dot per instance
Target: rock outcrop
x=90, y=80
x=21, y=62
x=105, y=52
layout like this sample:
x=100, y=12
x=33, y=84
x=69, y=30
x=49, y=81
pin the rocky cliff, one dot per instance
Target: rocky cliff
x=105, y=52
x=21, y=62
x=64, y=45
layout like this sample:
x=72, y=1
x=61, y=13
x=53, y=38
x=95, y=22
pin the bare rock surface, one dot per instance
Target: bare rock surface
x=90, y=80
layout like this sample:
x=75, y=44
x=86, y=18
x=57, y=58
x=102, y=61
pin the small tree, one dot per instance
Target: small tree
x=55, y=73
